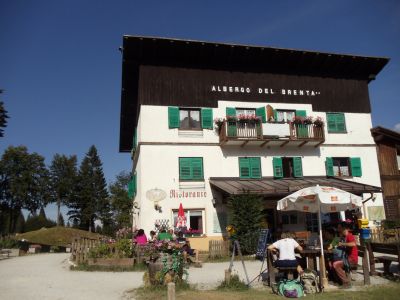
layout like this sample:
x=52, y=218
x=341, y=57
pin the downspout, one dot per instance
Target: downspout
x=363, y=204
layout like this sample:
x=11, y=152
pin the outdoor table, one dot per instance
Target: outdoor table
x=311, y=256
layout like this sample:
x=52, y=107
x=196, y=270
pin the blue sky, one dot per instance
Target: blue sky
x=61, y=68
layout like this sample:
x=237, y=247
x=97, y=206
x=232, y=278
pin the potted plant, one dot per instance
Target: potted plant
x=319, y=122
x=308, y=120
x=218, y=124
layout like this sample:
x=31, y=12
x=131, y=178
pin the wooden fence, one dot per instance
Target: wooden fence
x=218, y=248
x=80, y=249
x=379, y=235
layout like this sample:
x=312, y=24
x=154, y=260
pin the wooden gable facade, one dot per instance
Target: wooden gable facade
x=388, y=149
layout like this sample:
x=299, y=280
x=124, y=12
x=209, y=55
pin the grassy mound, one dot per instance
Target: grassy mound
x=55, y=236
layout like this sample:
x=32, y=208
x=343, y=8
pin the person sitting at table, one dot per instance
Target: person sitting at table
x=331, y=243
x=186, y=249
x=164, y=235
x=140, y=238
x=286, y=247
x=351, y=254
x=153, y=237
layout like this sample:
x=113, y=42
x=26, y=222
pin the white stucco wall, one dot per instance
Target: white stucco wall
x=158, y=164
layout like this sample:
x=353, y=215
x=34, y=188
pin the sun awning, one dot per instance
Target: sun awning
x=270, y=187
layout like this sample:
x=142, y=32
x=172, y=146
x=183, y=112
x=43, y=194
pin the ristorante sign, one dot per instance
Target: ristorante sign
x=177, y=194
x=263, y=90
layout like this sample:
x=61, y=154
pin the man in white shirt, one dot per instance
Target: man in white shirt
x=286, y=247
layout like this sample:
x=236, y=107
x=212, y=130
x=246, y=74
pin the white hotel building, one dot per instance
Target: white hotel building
x=173, y=90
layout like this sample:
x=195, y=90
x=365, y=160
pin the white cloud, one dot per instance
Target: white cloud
x=397, y=127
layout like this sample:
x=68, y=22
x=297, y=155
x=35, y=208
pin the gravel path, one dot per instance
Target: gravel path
x=47, y=276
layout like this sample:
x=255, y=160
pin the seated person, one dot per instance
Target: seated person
x=331, y=242
x=153, y=237
x=351, y=254
x=140, y=238
x=186, y=249
x=286, y=246
x=164, y=235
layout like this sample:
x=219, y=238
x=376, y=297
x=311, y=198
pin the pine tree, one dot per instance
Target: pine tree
x=246, y=217
x=91, y=201
x=121, y=204
x=63, y=174
x=3, y=117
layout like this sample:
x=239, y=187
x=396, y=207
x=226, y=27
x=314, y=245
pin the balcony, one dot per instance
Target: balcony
x=250, y=133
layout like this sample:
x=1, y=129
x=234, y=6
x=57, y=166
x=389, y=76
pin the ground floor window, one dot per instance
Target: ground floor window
x=194, y=220
x=289, y=218
x=312, y=222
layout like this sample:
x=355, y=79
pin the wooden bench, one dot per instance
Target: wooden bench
x=393, y=249
x=5, y=252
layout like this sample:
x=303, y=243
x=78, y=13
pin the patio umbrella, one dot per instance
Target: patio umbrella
x=181, y=220
x=320, y=199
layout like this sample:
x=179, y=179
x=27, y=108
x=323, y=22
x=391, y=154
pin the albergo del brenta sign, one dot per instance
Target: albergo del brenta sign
x=263, y=90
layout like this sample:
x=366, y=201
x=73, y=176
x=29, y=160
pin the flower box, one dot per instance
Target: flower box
x=108, y=262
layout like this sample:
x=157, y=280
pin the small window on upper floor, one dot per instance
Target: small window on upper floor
x=336, y=122
x=343, y=166
x=245, y=112
x=189, y=119
x=287, y=167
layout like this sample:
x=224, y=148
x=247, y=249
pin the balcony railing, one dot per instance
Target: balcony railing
x=235, y=132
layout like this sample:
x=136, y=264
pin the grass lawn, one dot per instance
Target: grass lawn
x=386, y=292
x=55, y=236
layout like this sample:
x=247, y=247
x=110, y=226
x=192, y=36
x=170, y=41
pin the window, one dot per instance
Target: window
x=287, y=167
x=343, y=166
x=189, y=119
x=191, y=169
x=250, y=167
x=194, y=220
x=336, y=122
x=285, y=116
x=289, y=218
x=245, y=111
x=312, y=222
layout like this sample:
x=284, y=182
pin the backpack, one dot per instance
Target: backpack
x=290, y=288
x=310, y=281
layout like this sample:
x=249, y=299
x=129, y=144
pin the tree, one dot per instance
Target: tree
x=3, y=117
x=246, y=217
x=23, y=182
x=63, y=172
x=121, y=204
x=60, y=221
x=37, y=222
x=91, y=201
x=20, y=225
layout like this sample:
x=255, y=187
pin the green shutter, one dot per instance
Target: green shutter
x=207, y=118
x=278, y=167
x=275, y=115
x=231, y=111
x=255, y=167
x=132, y=187
x=297, y=167
x=340, y=123
x=185, y=170
x=197, y=168
x=336, y=122
x=355, y=164
x=260, y=112
x=301, y=113
x=173, y=117
x=244, y=167
x=329, y=166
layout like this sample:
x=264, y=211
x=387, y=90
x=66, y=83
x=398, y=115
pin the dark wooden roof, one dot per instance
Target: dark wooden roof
x=138, y=51
x=270, y=187
x=381, y=134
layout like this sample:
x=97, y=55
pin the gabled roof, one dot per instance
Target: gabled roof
x=202, y=54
